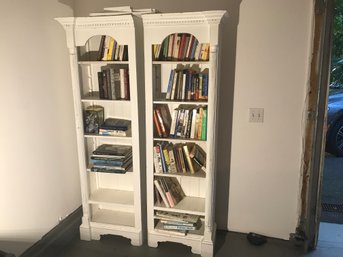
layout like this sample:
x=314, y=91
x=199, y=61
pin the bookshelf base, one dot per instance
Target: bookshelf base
x=94, y=232
x=197, y=243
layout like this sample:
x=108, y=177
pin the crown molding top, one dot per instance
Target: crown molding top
x=186, y=18
x=96, y=22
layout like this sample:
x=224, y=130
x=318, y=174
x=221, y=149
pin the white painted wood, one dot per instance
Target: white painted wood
x=200, y=188
x=111, y=202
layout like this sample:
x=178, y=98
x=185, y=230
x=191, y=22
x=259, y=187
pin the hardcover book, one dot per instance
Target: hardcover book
x=93, y=118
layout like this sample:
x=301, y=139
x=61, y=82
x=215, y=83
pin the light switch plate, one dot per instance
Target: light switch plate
x=256, y=115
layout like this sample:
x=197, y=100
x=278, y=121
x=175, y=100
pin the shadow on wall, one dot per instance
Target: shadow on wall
x=228, y=60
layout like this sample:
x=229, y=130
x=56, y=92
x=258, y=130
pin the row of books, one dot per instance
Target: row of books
x=187, y=121
x=181, y=46
x=114, y=83
x=177, y=222
x=187, y=84
x=179, y=158
x=110, y=50
x=168, y=191
x=110, y=158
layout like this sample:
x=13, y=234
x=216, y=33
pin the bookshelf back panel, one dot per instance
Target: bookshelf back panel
x=113, y=109
x=193, y=186
x=111, y=181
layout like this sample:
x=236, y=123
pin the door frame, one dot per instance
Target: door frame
x=315, y=128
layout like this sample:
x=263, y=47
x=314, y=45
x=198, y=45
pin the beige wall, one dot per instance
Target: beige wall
x=39, y=181
x=272, y=66
x=266, y=55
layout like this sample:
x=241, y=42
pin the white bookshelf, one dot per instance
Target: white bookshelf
x=199, y=188
x=111, y=202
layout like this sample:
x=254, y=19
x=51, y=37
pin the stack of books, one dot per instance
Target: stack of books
x=115, y=127
x=177, y=222
x=111, y=159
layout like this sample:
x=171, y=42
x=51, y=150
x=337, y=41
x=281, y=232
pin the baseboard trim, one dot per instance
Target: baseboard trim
x=58, y=238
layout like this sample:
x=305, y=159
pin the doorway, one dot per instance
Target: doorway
x=331, y=219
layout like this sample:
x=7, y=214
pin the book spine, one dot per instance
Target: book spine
x=160, y=120
x=204, y=124
x=157, y=159
x=170, y=84
x=101, y=48
x=157, y=124
x=162, y=193
x=101, y=86
x=188, y=159
x=122, y=83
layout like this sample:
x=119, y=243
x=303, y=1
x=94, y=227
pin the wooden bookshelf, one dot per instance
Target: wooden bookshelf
x=112, y=79
x=162, y=33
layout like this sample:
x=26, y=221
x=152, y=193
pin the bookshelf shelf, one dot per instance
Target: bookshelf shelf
x=115, y=198
x=188, y=205
x=198, y=174
x=106, y=70
x=181, y=104
x=117, y=218
x=181, y=62
x=102, y=62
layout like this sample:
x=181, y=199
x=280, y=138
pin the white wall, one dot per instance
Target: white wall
x=272, y=66
x=39, y=180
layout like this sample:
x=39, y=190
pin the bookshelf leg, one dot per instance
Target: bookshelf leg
x=195, y=250
x=85, y=233
x=137, y=241
x=206, y=250
x=152, y=243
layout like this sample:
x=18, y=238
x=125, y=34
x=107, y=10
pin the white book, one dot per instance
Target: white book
x=194, y=118
x=122, y=83
x=173, y=123
x=183, y=86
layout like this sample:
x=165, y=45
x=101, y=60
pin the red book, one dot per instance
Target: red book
x=157, y=125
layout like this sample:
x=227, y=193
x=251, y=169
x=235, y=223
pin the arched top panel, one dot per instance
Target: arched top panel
x=103, y=48
x=181, y=47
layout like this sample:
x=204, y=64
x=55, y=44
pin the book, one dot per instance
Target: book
x=113, y=150
x=101, y=48
x=116, y=124
x=175, y=189
x=157, y=159
x=93, y=118
x=108, y=170
x=190, y=218
x=162, y=193
x=169, y=195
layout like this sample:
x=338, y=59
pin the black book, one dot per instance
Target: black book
x=116, y=124
x=116, y=150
